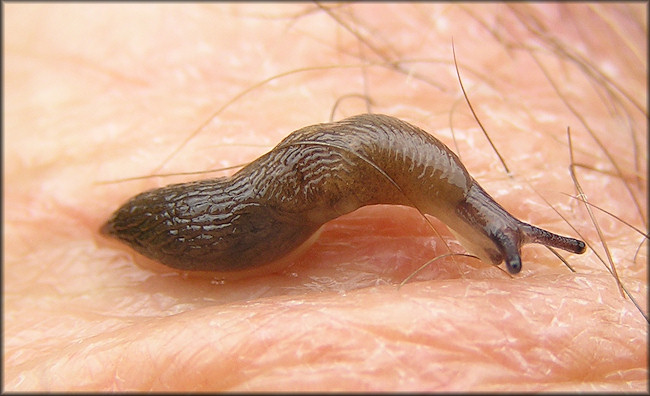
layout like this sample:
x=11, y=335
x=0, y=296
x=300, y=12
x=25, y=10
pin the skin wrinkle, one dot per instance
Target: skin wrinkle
x=67, y=128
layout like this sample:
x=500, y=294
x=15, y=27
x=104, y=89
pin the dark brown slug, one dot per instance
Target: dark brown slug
x=316, y=174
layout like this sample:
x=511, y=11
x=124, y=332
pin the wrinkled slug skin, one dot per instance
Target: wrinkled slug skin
x=317, y=173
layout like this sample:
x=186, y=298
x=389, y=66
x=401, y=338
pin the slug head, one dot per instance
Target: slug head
x=488, y=231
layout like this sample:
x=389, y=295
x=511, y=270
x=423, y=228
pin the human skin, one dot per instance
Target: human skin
x=104, y=92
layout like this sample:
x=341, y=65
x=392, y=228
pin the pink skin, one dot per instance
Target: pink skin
x=102, y=92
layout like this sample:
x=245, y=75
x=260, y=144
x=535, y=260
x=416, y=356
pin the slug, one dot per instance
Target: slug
x=274, y=204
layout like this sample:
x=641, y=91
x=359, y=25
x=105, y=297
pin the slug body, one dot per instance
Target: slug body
x=320, y=172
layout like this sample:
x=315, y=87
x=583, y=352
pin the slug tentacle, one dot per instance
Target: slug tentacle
x=270, y=207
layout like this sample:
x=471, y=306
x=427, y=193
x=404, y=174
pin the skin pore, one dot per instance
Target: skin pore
x=104, y=92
